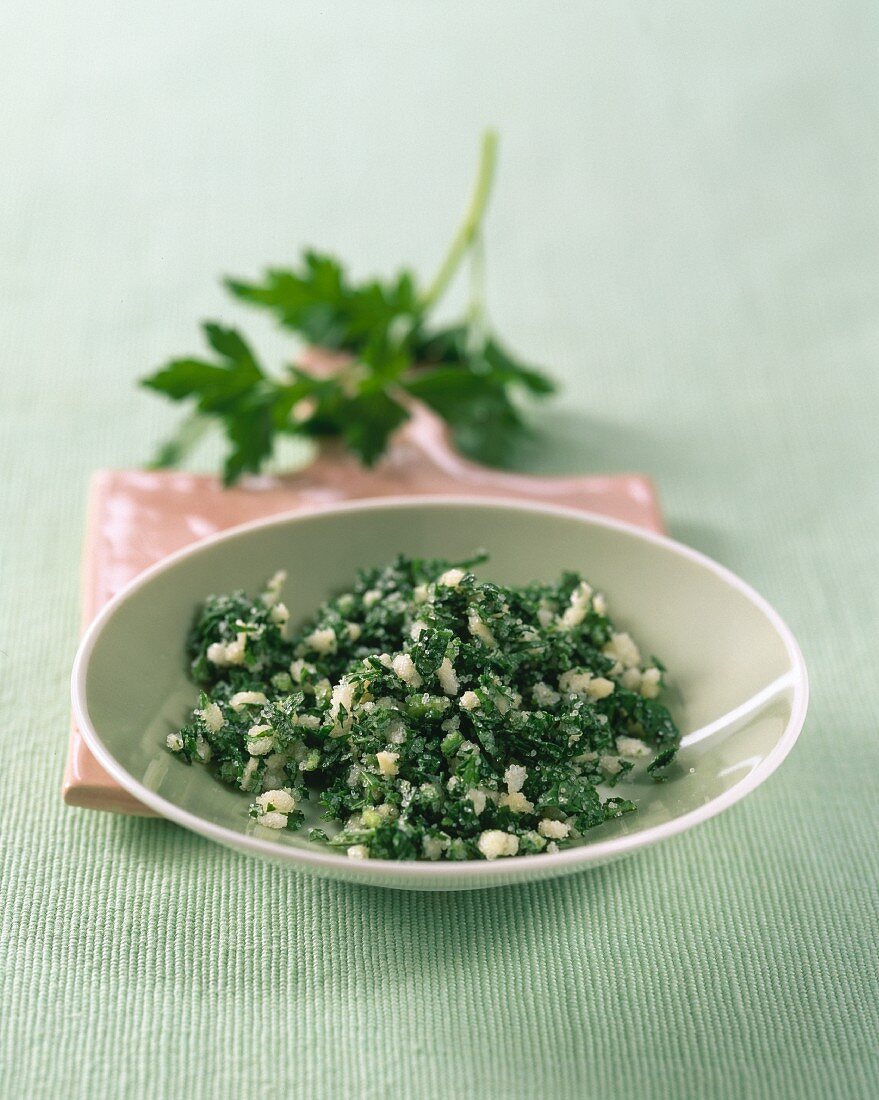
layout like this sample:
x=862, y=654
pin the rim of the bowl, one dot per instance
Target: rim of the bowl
x=376, y=871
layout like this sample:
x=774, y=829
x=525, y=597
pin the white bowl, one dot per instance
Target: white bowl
x=740, y=684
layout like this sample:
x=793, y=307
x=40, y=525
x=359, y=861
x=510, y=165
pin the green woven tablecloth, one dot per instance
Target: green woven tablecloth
x=686, y=230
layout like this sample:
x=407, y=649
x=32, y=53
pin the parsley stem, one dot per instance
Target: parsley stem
x=469, y=227
x=476, y=319
x=175, y=449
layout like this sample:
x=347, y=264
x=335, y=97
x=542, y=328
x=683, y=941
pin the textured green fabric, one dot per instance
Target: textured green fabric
x=686, y=230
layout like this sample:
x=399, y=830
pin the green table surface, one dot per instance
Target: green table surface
x=686, y=231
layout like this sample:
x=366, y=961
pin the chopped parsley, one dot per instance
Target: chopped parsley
x=430, y=714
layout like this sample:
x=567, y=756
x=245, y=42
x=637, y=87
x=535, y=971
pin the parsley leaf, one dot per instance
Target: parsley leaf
x=236, y=390
x=319, y=302
x=474, y=391
x=214, y=386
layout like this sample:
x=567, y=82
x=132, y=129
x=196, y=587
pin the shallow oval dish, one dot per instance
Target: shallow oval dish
x=739, y=684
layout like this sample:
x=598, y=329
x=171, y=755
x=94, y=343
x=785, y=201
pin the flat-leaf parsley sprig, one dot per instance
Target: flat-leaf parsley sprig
x=393, y=352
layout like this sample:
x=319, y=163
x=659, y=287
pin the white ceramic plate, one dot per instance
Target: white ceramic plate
x=740, y=684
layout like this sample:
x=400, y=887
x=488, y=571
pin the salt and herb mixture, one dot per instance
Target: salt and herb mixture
x=431, y=714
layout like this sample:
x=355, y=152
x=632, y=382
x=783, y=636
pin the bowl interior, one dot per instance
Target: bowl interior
x=720, y=645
